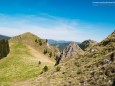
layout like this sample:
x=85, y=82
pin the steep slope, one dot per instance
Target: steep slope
x=21, y=64
x=26, y=59
x=87, y=44
x=95, y=68
x=109, y=40
x=36, y=43
x=41, y=57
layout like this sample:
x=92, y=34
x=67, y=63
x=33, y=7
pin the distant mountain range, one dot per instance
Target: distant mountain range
x=61, y=44
x=4, y=37
x=50, y=41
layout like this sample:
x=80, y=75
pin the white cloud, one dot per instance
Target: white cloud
x=58, y=33
x=50, y=27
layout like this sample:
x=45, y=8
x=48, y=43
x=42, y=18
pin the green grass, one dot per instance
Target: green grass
x=19, y=65
x=36, y=43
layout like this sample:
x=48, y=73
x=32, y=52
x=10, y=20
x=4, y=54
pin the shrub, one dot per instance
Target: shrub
x=40, y=42
x=36, y=41
x=45, y=51
x=50, y=54
x=58, y=68
x=77, y=64
x=39, y=62
x=45, y=68
x=41, y=72
x=112, y=57
x=113, y=84
x=79, y=71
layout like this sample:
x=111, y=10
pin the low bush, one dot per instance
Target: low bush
x=58, y=68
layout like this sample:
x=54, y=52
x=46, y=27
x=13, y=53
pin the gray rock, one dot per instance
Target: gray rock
x=70, y=51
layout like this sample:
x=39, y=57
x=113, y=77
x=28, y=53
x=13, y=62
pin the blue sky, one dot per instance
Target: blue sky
x=74, y=20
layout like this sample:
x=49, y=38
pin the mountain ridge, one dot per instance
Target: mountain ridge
x=36, y=43
x=26, y=59
x=94, y=68
x=87, y=44
x=51, y=41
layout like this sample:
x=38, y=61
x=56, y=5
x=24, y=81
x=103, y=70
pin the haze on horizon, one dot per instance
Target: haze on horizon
x=72, y=20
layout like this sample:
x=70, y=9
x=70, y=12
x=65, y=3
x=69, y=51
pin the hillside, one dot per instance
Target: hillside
x=95, y=68
x=36, y=43
x=50, y=41
x=26, y=59
x=87, y=44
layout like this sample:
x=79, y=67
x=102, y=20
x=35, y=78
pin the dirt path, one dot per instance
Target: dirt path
x=41, y=57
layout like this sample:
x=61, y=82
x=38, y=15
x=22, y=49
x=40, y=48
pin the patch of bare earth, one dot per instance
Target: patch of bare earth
x=40, y=57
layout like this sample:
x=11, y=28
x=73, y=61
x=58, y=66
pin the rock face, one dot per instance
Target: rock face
x=70, y=51
x=4, y=48
x=85, y=45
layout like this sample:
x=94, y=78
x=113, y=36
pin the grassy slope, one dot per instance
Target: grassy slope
x=75, y=71
x=92, y=68
x=19, y=65
x=36, y=43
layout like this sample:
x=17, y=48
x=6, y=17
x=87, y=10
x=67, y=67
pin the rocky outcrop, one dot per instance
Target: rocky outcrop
x=87, y=44
x=4, y=48
x=71, y=50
